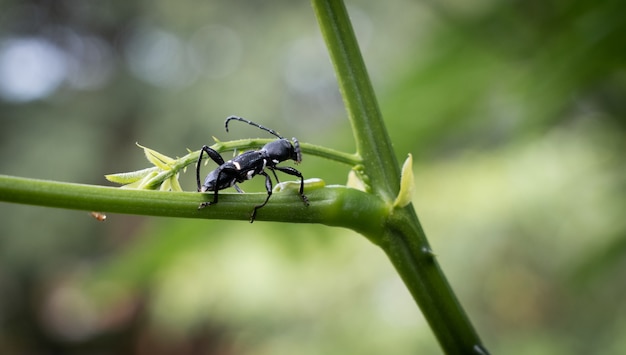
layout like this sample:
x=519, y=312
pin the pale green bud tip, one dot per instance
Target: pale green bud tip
x=160, y=160
x=309, y=184
x=355, y=181
x=407, y=183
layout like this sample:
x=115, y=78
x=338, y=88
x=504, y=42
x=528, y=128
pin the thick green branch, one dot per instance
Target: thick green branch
x=424, y=278
x=331, y=205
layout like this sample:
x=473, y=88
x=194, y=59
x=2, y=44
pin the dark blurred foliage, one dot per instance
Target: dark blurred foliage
x=514, y=112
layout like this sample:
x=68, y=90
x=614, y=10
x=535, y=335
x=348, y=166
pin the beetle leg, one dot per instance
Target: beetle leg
x=268, y=187
x=214, y=155
x=274, y=172
x=208, y=203
x=294, y=172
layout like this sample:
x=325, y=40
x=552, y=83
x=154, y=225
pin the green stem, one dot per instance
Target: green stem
x=402, y=238
x=358, y=96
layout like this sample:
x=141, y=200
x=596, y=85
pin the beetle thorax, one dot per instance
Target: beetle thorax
x=279, y=150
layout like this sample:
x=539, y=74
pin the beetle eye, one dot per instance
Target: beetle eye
x=296, y=144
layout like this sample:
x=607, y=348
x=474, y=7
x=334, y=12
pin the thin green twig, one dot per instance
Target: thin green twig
x=152, y=178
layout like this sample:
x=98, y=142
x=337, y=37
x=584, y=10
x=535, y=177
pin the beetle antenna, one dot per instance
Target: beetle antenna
x=237, y=118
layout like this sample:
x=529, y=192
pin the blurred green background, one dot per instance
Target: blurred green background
x=515, y=113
